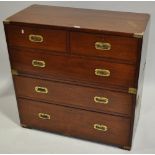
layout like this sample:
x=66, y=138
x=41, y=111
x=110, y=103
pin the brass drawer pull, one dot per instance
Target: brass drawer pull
x=36, y=38
x=38, y=63
x=100, y=127
x=102, y=72
x=102, y=100
x=44, y=116
x=102, y=46
x=42, y=90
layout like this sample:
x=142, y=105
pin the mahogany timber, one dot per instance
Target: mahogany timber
x=122, y=48
x=67, y=121
x=70, y=57
x=72, y=68
x=52, y=39
x=74, y=96
x=111, y=22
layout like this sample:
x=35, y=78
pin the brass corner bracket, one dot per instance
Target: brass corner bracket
x=132, y=91
x=127, y=147
x=138, y=35
x=7, y=21
x=14, y=72
x=23, y=125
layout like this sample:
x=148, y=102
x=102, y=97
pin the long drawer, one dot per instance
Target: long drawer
x=73, y=95
x=78, y=123
x=39, y=38
x=73, y=68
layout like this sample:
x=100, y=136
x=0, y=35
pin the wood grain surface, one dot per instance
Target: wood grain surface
x=74, y=122
x=122, y=48
x=124, y=23
x=73, y=68
x=52, y=39
x=74, y=96
x=70, y=59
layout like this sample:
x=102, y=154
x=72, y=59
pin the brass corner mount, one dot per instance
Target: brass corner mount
x=14, y=72
x=127, y=147
x=23, y=125
x=138, y=35
x=132, y=91
x=7, y=21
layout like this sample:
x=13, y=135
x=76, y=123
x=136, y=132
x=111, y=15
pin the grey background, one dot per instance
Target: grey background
x=14, y=139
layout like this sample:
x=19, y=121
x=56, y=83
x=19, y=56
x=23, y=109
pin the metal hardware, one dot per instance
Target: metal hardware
x=23, y=125
x=7, y=21
x=42, y=90
x=44, y=116
x=14, y=72
x=38, y=63
x=132, y=90
x=102, y=46
x=138, y=35
x=100, y=127
x=76, y=26
x=102, y=72
x=36, y=38
x=102, y=100
x=127, y=147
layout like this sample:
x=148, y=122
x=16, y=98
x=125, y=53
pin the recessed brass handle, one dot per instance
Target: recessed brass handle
x=100, y=127
x=42, y=90
x=44, y=116
x=103, y=46
x=102, y=100
x=102, y=72
x=38, y=63
x=36, y=38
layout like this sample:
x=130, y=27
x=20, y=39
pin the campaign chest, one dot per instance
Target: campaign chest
x=78, y=72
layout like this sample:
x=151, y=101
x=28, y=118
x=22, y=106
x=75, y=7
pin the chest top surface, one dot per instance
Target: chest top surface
x=86, y=19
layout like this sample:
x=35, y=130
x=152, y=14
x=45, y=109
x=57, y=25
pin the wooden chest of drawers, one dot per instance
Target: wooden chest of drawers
x=78, y=72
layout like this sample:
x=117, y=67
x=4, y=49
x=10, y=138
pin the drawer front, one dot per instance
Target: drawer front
x=115, y=47
x=34, y=37
x=79, y=123
x=72, y=95
x=73, y=68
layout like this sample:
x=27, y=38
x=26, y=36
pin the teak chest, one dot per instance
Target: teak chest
x=78, y=72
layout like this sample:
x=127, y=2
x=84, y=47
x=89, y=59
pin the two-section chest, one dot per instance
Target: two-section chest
x=77, y=74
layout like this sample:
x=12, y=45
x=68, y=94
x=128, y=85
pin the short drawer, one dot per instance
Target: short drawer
x=73, y=122
x=115, y=47
x=33, y=37
x=73, y=95
x=73, y=68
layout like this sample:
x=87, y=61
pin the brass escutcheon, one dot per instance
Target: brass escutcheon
x=44, y=116
x=102, y=72
x=102, y=100
x=42, y=90
x=100, y=127
x=36, y=38
x=38, y=63
x=103, y=46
